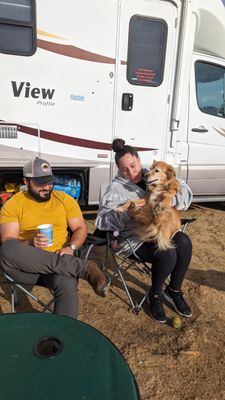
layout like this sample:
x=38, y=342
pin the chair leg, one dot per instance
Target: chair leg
x=39, y=301
x=136, y=307
x=126, y=288
x=13, y=297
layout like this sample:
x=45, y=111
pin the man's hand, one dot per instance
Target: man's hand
x=66, y=250
x=40, y=240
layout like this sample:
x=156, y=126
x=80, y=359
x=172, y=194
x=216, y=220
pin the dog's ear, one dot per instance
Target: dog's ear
x=171, y=173
x=153, y=164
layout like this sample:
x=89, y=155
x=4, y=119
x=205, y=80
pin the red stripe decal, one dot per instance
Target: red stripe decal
x=74, y=52
x=59, y=138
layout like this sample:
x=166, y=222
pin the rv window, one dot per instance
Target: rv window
x=146, y=51
x=210, y=86
x=17, y=27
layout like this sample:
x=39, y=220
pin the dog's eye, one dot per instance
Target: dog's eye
x=157, y=170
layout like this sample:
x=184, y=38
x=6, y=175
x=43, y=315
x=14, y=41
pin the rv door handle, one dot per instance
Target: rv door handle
x=127, y=101
x=201, y=129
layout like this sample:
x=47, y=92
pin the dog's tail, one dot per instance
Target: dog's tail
x=164, y=243
x=153, y=234
x=149, y=234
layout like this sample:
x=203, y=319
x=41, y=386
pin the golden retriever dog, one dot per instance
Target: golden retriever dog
x=157, y=220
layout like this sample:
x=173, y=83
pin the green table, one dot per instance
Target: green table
x=46, y=357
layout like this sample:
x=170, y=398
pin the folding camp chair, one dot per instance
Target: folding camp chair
x=14, y=285
x=122, y=264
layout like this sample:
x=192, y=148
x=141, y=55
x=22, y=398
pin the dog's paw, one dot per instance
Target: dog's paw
x=158, y=208
x=123, y=207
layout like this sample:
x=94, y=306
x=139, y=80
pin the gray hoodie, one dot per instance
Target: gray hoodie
x=120, y=191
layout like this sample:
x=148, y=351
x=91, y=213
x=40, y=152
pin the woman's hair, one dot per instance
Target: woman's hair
x=120, y=149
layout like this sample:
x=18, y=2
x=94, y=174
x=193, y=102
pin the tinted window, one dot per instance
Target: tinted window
x=146, y=51
x=17, y=27
x=16, y=10
x=210, y=81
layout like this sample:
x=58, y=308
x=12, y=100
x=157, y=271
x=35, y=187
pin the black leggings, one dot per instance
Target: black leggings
x=173, y=262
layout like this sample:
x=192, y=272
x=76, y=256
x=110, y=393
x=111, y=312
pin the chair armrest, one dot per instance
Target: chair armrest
x=95, y=240
x=185, y=221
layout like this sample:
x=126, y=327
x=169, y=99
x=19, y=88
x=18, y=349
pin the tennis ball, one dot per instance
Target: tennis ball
x=176, y=322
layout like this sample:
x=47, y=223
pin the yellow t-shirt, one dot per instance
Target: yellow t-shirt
x=29, y=213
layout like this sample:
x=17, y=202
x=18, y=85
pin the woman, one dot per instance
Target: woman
x=129, y=184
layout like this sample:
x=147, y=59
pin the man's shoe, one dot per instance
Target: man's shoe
x=156, y=308
x=97, y=279
x=178, y=302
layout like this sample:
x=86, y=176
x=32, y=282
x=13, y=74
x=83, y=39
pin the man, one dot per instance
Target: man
x=25, y=254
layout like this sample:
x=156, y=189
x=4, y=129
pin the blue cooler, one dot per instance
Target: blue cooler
x=68, y=185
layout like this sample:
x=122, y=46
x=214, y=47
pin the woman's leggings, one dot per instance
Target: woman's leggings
x=173, y=262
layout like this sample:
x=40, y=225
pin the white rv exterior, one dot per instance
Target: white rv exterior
x=149, y=71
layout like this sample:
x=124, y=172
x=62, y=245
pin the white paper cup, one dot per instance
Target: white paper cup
x=47, y=229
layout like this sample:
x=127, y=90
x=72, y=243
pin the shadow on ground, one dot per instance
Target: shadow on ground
x=211, y=278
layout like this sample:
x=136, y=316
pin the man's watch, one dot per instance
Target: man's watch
x=72, y=246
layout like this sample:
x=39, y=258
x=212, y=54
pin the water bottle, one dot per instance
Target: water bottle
x=115, y=241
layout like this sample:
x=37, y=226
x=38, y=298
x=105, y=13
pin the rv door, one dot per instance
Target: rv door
x=145, y=69
x=206, y=135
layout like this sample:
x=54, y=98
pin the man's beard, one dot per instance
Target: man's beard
x=37, y=196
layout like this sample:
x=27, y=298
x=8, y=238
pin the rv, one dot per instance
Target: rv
x=76, y=74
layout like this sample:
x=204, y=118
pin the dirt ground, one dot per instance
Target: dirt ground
x=168, y=363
